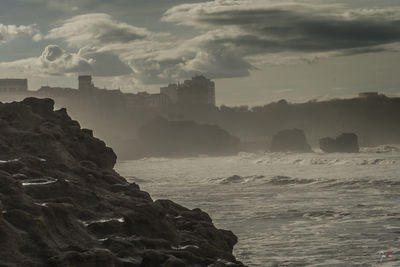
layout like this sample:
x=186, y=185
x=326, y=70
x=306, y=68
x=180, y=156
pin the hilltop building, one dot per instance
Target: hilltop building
x=197, y=91
x=13, y=85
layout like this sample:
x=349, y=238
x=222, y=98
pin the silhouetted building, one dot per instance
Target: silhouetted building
x=134, y=100
x=85, y=83
x=171, y=91
x=198, y=91
x=13, y=85
x=157, y=100
x=151, y=100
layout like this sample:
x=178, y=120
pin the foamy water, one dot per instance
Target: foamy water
x=290, y=209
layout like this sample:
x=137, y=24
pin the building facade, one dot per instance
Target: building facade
x=13, y=85
x=171, y=91
x=197, y=91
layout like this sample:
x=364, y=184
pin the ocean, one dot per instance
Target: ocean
x=311, y=209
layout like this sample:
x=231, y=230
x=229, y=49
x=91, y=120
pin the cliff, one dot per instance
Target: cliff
x=374, y=120
x=62, y=204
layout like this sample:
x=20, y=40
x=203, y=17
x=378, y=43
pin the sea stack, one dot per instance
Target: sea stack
x=290, y=140
x=345, y=143
x=62, y=204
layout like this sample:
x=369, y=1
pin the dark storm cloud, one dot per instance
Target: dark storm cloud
x=299, y=28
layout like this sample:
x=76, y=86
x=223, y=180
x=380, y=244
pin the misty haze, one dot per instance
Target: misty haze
x=199, y=133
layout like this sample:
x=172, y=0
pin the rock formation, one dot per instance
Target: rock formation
x=162, y=137
x=346, y=142
x=62, y=204
x=291, y=140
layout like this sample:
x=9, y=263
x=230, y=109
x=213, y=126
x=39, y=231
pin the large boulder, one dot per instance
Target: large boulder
x=290, y=140
x=346, y=143
x=62, y=204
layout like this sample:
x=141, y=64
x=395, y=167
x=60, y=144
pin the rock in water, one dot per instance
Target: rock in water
x=346, y=143
x=291, y=140
x=62, y=204
x=161, y=137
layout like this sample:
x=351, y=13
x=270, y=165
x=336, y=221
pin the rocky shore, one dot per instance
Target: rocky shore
x=62, y=204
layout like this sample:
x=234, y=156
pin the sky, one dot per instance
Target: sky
x=256, y=51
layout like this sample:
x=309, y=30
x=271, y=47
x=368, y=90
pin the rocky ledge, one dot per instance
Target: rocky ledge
x=62, y=204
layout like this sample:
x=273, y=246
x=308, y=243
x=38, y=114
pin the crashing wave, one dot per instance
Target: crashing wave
x=286, y=180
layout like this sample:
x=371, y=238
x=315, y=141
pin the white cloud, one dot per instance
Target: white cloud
x=96, y=29
x=52, y=61
x=11, y=32
x=104, y=63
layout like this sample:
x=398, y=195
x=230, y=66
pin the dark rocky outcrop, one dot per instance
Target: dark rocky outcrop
x=162, y=137
x=346, y=142
x=291, y=140
x=62, y=204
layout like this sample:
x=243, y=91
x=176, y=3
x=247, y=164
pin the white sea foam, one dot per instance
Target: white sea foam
x=311, y=209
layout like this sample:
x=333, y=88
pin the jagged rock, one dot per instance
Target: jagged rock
x=62, y=204
x=291, y=140
x=346, y=142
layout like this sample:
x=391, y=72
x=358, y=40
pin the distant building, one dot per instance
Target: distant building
x=85, y=83
x=13, y=85
x=171, y=91
x=368, y=95
x=198, y=91
x=134, y=100
x=56, y=91
x=149, y=100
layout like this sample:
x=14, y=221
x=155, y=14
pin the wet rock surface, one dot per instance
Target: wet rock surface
x=62, y=204
x=290, y=140
x=345, y=143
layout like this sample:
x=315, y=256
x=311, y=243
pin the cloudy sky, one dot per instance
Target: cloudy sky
x=257, y=51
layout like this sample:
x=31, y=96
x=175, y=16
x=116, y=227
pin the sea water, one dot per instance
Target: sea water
x=311, y=209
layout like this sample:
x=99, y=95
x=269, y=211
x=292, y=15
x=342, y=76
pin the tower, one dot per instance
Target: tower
x=85, y=83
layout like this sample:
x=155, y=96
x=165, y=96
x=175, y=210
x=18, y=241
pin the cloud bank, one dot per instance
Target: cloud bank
x=257, y=27
x=229, y=39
